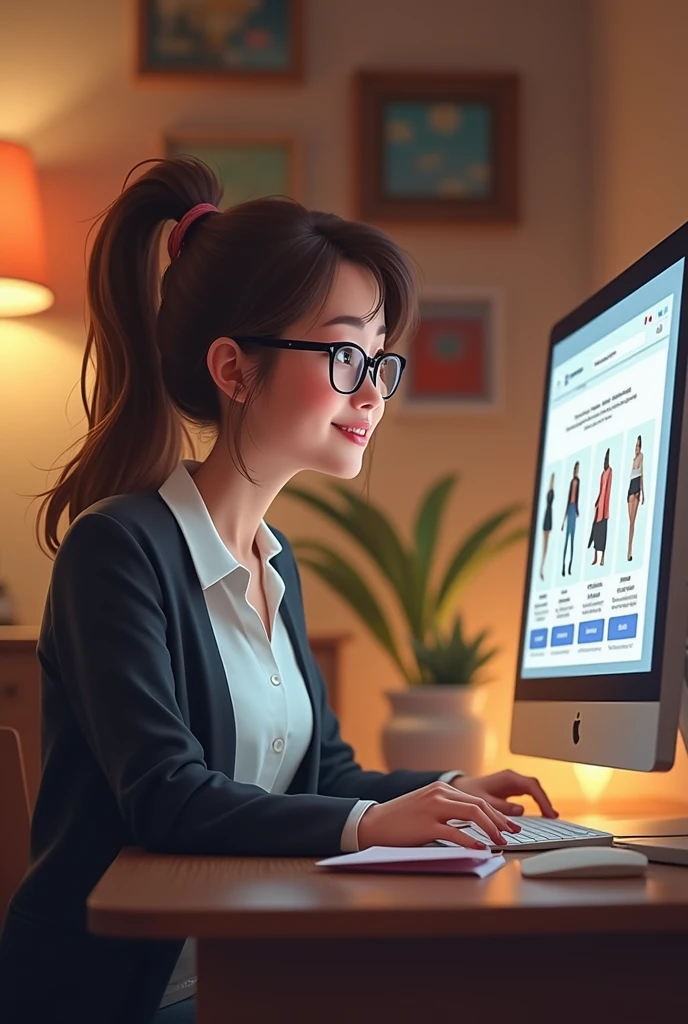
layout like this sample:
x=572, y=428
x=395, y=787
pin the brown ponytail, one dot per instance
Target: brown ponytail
x=251, y=270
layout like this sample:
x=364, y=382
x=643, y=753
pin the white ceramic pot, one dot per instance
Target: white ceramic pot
x=435, y=727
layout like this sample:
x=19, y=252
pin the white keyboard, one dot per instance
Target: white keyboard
x=537, y=834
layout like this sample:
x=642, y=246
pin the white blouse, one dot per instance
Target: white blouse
x=272, y=709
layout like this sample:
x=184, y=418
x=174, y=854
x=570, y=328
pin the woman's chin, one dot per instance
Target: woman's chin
x=347, y=469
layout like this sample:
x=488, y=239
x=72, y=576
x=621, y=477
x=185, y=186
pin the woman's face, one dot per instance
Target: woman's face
x=637, y=447
x=292, y=422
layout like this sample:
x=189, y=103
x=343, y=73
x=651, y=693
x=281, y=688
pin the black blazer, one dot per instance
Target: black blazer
x=138, y=742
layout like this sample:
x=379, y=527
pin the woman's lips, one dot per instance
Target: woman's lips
x=358, y=439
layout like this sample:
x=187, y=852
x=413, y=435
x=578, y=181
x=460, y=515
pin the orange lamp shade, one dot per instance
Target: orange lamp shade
x=23, y=273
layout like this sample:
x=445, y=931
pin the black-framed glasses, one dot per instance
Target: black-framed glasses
x=348, y=363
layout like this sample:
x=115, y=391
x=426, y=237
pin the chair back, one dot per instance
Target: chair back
x=15, y=817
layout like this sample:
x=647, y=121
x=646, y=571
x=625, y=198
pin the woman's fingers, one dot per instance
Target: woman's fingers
x=455, y=835
x=472, y=812
x=489, y=808
x=515, y=810
x=506, y=808
x=541, y=799
x=532, y=787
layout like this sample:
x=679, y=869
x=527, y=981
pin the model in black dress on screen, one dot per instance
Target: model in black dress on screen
x=547, y=525
x=636, y=492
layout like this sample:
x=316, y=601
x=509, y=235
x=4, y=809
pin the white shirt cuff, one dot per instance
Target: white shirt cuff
x=448, y=776
x=349, y=840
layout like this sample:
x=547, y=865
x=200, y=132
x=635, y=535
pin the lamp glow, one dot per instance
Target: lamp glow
x=593, y=780
x=24, y=287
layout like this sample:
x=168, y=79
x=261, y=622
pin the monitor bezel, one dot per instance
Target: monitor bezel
x=617, y=687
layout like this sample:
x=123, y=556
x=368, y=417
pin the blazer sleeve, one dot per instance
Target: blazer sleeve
x=340, y=774
x=109, y=640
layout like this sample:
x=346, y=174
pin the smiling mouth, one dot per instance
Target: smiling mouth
x=352, y=435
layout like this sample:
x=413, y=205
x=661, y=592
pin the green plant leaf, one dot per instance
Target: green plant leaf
x=453, y=661
x=509, y=539
x=375, y=534
x=379, y=537
x=473, y=552
x=350, y=586
x=442, y=655
x=425, y=535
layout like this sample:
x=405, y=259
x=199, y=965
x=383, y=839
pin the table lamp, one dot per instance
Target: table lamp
x=23, y=271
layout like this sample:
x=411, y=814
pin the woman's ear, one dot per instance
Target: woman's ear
x=225, y=361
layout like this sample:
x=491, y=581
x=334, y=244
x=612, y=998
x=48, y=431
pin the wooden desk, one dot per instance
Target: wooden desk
x=282, y=939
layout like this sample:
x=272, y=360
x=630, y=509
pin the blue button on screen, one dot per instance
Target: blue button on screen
x=591, y=631
x=622, y=627
x=562, y=635
x=538, y=638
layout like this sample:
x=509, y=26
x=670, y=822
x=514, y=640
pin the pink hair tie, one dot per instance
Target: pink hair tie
x=176, y=236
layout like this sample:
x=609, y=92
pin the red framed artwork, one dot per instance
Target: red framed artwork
x=455, y=359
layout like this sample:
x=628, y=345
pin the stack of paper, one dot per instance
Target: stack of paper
x=454, y=860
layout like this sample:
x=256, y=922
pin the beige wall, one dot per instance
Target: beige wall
x=76, y=104
x=638, y=125
x=639, y=87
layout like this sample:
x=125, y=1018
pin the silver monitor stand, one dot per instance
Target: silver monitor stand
x=664, y=840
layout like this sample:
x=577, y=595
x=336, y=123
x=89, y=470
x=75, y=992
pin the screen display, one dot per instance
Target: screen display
x=592, y=591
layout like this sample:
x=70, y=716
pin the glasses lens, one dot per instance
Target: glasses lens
x=388, y=375
x=348, y=369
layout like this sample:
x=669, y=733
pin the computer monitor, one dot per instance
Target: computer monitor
x=602, y=654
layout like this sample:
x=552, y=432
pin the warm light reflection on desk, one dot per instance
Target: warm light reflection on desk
x=593, y=780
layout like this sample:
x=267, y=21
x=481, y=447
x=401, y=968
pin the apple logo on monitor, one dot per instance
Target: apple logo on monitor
x=576, y=729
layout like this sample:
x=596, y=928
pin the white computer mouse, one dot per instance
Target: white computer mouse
x=585, y=862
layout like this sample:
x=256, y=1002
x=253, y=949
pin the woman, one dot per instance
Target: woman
x=636, y=492
x=182, y=709
x=547, y=525
x=570, y=517
x=598, y=534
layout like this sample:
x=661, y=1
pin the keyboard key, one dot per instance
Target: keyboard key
x=537, y=831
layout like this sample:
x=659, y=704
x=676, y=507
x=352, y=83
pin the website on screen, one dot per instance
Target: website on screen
x=593, y=585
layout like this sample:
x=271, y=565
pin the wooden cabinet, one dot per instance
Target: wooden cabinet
x=20, y=688
x=20, y=696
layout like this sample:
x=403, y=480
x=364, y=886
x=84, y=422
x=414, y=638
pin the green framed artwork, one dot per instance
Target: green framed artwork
x=250, y=166
x=437, y=147
x=257, y=40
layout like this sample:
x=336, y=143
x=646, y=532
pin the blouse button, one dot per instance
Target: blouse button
x=275, y=680
x=278, y=745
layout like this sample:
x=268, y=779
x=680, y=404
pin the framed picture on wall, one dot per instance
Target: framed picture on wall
x=455, y=360
x=437, y=147
x=250, y=166
x=246, y=40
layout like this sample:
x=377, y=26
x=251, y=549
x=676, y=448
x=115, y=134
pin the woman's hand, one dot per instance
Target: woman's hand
x=421, y=817
x=497, y=789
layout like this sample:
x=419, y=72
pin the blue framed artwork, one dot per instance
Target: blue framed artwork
x=258, y=40
x=249, y=166
x=437, y=147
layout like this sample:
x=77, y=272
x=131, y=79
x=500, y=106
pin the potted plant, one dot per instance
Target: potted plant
x=435, y=720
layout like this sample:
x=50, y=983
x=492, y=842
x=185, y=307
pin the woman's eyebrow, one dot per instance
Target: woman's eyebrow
x=353, y=321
